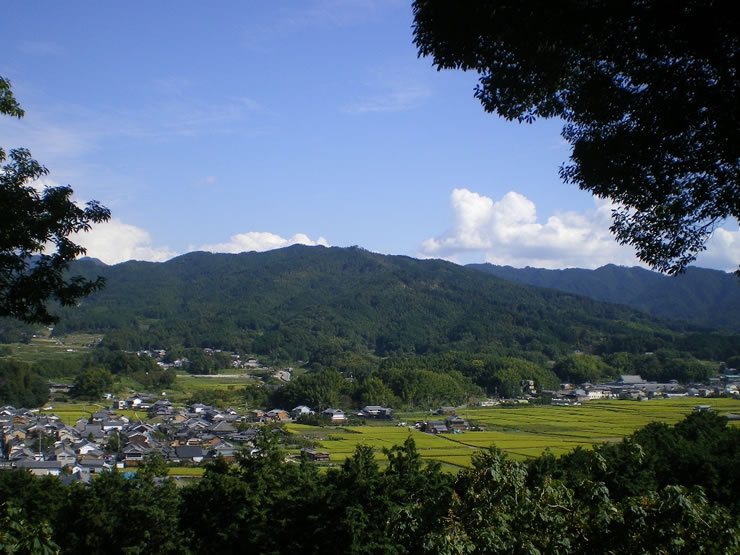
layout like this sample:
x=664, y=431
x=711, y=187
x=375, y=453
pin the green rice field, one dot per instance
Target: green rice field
x=523, y=431
x=70, y=413
x=190, y=382
x=38, y=348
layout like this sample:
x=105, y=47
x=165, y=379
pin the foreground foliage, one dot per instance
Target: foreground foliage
x=36, y=228
x=647, y=91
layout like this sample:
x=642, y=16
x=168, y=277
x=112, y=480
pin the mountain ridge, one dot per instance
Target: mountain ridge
x=288, y=302
x=705, y=297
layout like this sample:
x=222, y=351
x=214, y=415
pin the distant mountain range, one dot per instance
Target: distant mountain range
x=704, y=297
x=290, y=302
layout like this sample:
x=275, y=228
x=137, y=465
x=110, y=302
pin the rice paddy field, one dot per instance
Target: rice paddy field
x=40, y=347
x=230, y=382
x=523, y=431
x=70, y=413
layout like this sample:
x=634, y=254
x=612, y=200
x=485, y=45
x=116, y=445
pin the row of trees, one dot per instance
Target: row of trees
x=25, y=384
x=20, y=386
x=100, y=370
x=413, y=388
x=661, y=366
x=414, y=382
x=577, y=504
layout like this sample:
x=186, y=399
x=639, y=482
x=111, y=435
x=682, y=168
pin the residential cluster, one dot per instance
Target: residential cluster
x=636, y=388
x=333, y=415
x=44, y=444
x=452, y=424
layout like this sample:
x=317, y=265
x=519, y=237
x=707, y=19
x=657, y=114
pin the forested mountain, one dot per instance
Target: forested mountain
x=704, y=297
x=288, y=303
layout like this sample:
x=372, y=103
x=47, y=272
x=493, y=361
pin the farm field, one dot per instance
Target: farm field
x=70, y=413
x=188, y=385
x=523, y=432
x=39, y=348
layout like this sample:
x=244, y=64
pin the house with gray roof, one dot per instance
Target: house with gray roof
x=189, y=453
x=41, y=468
x=336, y=415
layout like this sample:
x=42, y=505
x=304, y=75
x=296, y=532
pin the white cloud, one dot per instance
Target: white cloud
x=397, y=97
x=72, y=131
x=112, y=241
x=43, y=182
x=507, y=231
x=319, y=15
x=47, y=139
x=208, y=180
x=723, y=251
x=115, y=241
x=261, y=241
x=395, y=86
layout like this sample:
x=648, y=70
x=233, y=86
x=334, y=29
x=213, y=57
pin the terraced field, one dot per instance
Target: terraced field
x=523, y=432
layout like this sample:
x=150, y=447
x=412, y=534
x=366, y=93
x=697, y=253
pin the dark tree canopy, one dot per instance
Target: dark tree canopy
x=8, y=103
x=647, y=91
x=35, y=229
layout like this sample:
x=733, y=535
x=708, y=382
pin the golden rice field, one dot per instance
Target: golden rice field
x=522, y=431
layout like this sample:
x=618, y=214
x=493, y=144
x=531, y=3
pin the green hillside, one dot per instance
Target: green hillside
x=700, y=296
x=287, y=303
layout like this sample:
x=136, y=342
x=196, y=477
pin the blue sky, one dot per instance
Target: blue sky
x=236, y=126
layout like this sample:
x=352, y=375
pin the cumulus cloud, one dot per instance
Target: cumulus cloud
x=115, y=241
x=261, y=241
x=508, y=232
x=723, y=251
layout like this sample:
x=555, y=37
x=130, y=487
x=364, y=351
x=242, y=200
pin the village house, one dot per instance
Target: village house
x=62, y=452
x=198, y=408
x=301, y=410
x=41, y=468
x=335, y=415
x=376, y=411
x=314, y=455
x=62, y=388
x=92, y=465
x=133, y=454
x=256, y=415
x=161, y=407
x=436, y=427
x=188, y=454
x=222, y=429
x=457, y=424
x=277, y=415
